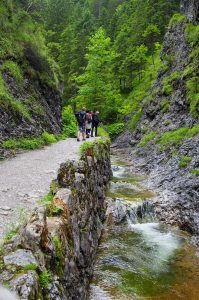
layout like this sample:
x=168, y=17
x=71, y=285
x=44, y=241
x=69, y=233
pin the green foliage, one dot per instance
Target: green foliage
x=177, y=18
x=168, y=83
x=176, y=137
x=14, y=70
x=184, y=161
x=165, y=105
x=27, y=143
x=48, y=138
x=98, y=89
x=85, y=146
x=60, y=255
x=45, y=279
x=192, y=87
x=195, y=171
x=135, y=119
x=30, y=267
x=8, y=102
x=69, y=122
x=53, y=210
x=11, y=232
x=102, y=131
x=115, y=129
x=147, y=138
x=192, y=33
x=47, y=199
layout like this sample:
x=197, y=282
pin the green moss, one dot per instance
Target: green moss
x=195, y=171
x=34, y=106
x=176, y=19
x=167, y=122
x=176, y=137
x=85, y=146
x=13, y=69
x=168, y=83
x=30, y=267
x=167, y=88
x=45, y=279
x=192, y=88
x=165, y=105
x=135, y=119
x=60, y=256
x=53, y=210
x=184, y=161
x=10, y=103
x=148, y=137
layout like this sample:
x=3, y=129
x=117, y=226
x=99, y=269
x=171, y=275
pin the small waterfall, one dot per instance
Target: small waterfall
x=119, y=211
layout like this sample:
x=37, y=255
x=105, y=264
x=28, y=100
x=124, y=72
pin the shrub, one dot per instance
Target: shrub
x=192, y=33
x=30, y=143
x=184, y=161
x=85, y=146
x=192, y=87
x=195, y=171
x=69, y=122
x=115, y=129
x=103, y=132
x=148, y=137
x=13, y=69
x=177, y=18
x=48, y=138
x=45, y=279
x=176, y=137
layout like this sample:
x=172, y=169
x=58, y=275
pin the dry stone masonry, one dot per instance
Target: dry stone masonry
x=52, y=257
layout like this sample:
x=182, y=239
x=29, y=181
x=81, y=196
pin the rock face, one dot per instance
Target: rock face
x=53, y=255
x=43, y=103
x=190, y=8
x=169, y=112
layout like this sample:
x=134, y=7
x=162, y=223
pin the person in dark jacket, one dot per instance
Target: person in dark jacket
x=95, y=123
x=81, y=121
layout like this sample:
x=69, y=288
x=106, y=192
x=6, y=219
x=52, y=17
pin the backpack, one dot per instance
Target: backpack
x=96, y=119
x=89, y=118
x=80, y=116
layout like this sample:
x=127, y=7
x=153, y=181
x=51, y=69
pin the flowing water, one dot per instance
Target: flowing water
x=141, y=258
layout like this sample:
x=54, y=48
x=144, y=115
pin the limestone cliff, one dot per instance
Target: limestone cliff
x=30, y=98
x=165, y=142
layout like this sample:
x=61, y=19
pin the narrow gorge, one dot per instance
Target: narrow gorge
x=121, y=218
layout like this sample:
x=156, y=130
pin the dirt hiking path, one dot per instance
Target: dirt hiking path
x=26, y=178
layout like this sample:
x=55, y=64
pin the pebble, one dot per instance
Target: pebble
x=5, y=208
x=3, y=213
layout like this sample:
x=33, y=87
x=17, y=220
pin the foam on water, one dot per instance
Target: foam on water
x=164, y=244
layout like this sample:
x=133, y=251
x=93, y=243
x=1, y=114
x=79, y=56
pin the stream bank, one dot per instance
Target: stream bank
x=140, y=257
x=52, y=255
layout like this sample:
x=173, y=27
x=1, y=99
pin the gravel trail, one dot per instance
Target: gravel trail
x=26, y=178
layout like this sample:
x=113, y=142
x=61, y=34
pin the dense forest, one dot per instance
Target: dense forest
x=101, y=54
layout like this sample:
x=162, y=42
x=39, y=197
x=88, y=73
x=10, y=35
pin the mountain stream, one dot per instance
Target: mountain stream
x=138, y=257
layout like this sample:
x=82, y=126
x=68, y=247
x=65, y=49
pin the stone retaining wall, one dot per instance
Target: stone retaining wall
x=52, y=257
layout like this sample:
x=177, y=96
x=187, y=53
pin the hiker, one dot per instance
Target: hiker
x=95, y=122
x=81, y=121
x=88, y=123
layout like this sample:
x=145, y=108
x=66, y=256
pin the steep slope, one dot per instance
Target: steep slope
x=29, y=78
x=166, y=139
